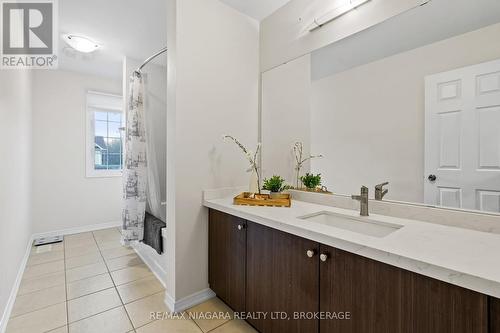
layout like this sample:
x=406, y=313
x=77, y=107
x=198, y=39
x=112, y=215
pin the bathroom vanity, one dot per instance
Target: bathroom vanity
x=406, y=276
x=420, y=117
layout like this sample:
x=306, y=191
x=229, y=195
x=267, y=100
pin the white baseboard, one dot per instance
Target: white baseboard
x=15, y=288
x=189, y=301
x=77, y=230
x=151, y=258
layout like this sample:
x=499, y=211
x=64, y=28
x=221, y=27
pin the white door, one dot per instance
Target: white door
x=462, y=138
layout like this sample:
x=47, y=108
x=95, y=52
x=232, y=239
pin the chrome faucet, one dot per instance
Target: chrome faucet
x=363, y=199
x=380, y=192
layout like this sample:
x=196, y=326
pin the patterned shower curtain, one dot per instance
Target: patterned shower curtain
x=135, y=172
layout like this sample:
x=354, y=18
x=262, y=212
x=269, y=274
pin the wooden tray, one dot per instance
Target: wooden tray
x=245, y=199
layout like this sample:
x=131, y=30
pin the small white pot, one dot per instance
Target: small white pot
x=274, y=195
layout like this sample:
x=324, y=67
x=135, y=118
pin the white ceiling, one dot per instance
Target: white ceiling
x=133, y=28
x=438, y=20
x=258, y=9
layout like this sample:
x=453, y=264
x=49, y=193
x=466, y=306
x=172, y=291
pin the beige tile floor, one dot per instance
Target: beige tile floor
x=90, y=283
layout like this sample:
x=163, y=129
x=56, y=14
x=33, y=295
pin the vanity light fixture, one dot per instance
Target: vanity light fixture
x=81, y=43
x=336, y=13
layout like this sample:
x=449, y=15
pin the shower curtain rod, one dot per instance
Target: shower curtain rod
x=163, y=50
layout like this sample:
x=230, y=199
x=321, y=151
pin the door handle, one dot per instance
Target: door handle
x=241, y=227
x=310, y=253
x=432, y=178
x=323, y=257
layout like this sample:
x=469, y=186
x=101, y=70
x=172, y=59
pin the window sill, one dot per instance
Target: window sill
x=105, y=174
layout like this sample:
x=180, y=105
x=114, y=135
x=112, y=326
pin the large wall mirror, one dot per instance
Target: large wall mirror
x=413, y=101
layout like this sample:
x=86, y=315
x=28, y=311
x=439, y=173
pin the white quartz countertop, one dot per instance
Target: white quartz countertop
x=463, y=257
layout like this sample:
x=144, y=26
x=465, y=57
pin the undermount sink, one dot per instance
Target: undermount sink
x=362, y=225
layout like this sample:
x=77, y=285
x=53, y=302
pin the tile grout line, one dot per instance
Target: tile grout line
x=65, y=286
x=98, y=291
x=114, y=284
x=37, y=291
x=136, y=328
x=45, y=307
x=194, y=321
x=105, y=264
x=98, y=313
x=40, y=309
x=45, y=262
x=113, y=287
x=139, y=299
x=68, y=322
x=107, y=272
x=215, y=328
x=34, y=278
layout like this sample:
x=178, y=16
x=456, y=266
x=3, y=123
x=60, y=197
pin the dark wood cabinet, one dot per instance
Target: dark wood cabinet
x=494, y=315
x=281, y=279
x=227, y=258
x=383, y=298
x=270, y=274
x=367, y=291
x=429, y=305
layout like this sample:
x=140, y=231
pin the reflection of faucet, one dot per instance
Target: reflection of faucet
x=380, y=192
x=363, y=199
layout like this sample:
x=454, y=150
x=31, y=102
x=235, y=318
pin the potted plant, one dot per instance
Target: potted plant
x=298, y=150
x=310, y=181
x=275, y=185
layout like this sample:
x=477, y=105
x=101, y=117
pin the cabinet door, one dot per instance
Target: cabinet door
x=227, y=258
x=433, y=306
x=366, y=289
x=281, y=279
x=494, y=315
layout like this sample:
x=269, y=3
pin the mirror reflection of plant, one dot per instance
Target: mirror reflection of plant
x=298, y=150
x=311, y=181
x=251, y=156
x=274, y=184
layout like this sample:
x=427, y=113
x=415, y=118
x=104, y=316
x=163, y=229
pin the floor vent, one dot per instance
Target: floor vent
x=48, y=240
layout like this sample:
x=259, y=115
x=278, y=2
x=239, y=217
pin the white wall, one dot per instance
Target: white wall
x=285, y=117
x=284, y=34
x=62, y=195
x=15, y=178
x=213, y=69
x=369, y=121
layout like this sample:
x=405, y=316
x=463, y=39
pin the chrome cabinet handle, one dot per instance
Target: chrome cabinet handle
x=240, y=227
x=323, y=257
x=310, y=253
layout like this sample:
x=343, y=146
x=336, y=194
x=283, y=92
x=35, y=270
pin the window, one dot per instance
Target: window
x=105, y=121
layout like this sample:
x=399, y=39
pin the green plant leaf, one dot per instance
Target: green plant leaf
x=311, y=181
x=274, y=184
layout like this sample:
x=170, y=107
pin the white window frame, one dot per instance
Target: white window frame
x=107, y=103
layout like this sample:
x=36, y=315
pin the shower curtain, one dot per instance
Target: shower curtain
x=153, y=190
x=141, y=184
x=135, y=171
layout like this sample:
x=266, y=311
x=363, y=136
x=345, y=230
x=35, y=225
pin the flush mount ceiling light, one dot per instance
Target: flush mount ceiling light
x=336, y=13
x=81, y=43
